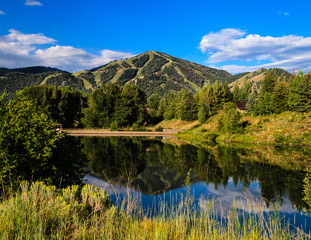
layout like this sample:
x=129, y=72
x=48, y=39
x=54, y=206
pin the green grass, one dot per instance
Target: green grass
x=42, y=212
x=288, y=128
x=117, y=76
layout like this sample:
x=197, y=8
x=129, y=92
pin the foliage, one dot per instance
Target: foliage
x=101, y=106
x=63, y=104
x=192, y=75
x=65, y=80
x=168, y=106
x=307, y=189
x=230, y=118
x=87, y=75
x=27, y=140
x=159, y=129
x=277, y=96
x=280, y=96
x=114, y=126
x=212, y=98
x=140, y=62
x=186, y=106
x=125, y=105
x=154, y=65
x=41, y=212
x=127, y=75
x=109, y=72
x=300, y=93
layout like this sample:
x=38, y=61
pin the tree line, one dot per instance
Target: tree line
x=276, y=95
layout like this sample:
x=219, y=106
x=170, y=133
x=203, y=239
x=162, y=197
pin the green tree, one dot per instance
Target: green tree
x=186, y=106
x=280, y=96
x=131, y=106
x=264, y=102
x=245, y=90
x=154, y=102
x=27, y=140
x=252, y=97
x=63, y=104
x=300, y=93
x=236, y=92
x=229, y=121
x=212, y=98
x=153, y=105
x=168, y=106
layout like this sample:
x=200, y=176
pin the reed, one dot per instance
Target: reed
x=38, y=211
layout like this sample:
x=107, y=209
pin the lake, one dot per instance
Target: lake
x=154, y=172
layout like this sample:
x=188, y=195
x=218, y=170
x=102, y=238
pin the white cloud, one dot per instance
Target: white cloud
x=28, y=39
x=2, y=13
x=32, y=3
x=282, y=13
x=20, y=50
x=287, y=52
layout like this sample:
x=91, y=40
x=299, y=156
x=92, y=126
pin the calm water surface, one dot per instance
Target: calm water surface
x=153, y=173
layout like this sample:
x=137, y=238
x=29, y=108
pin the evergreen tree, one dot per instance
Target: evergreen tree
x=280, y=96
x=268, y=83
x=124, y=105
x=212, y=98
x=236, y=92
x=63, y=104
x=252, y=97
x=168, y=106
x=245, y=90
x=300, y=93
x=187, y=106
x=264, y=103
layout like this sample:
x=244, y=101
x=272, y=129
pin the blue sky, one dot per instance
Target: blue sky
x=236, y=36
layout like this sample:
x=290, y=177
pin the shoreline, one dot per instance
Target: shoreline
x=170, y=133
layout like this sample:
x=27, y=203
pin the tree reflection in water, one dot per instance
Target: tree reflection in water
x=152, y=166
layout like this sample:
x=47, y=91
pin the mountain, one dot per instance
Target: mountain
x=12, y=80
x=33, y=70
x=256, y=77
x=153, y=72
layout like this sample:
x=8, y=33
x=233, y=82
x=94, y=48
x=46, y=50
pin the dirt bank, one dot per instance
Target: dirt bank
x=104, y=132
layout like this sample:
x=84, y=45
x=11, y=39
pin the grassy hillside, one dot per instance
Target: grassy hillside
x=256, y=77
x=288, y=128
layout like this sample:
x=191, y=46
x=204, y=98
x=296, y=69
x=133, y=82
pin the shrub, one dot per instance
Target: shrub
x=27, y=140
x=114, y=126
x=159, y=129
x=230, y=118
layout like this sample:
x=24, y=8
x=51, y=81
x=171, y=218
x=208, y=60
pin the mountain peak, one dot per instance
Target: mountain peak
x=157, y=72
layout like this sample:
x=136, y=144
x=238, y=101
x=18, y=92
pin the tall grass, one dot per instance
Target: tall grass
x=38, y=211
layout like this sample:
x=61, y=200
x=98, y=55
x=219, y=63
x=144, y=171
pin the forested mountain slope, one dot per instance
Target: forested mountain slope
x=154, y=72
x=12, y=80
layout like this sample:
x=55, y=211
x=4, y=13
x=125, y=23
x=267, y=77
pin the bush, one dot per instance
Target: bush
x=114, y=126
x=159, y=129
x=136, y=127
x=230, y=118
x=27, y=140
